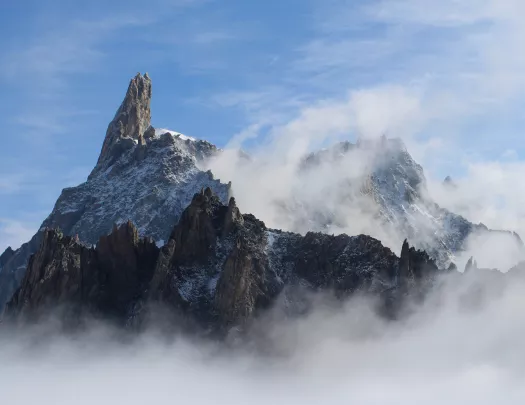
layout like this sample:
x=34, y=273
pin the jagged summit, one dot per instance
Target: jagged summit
x=4, y=257
x=142, y=175
x=449, y=183
x=380, y=180
x=131, y=121
x=149, y=176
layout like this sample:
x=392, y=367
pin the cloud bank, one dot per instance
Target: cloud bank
x=452, y=353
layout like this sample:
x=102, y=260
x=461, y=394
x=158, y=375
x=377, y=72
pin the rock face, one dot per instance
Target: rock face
x=414, y=264
x=6, y=256
x=131, y=121
x=144, y=175
x=105, y=280
x=14, y=268
x=219, y=268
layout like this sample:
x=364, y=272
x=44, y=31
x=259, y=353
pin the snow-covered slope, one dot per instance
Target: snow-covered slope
x=389, y=191
x=149, y=184
x=162, y=131
x=143, y=174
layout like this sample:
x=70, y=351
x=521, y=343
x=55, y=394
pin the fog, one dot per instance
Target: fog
x=332, y=195
x=449, y=353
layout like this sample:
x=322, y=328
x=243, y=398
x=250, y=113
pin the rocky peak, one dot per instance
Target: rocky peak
x=4, y=257
x=471, y=265
x=195, y=235
x=53, y=275
x=131, y=122
x=233, y=217
x=449, y=183
x=106, y=279
x=127, y=263
x=415, y=265
x=202, y=224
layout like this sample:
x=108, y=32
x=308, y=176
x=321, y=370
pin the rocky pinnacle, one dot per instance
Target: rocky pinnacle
x=131, y=120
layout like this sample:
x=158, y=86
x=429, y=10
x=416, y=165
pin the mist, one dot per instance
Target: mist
x=331, y=197
x=445, y=352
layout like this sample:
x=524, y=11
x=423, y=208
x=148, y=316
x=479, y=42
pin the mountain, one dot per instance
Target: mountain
x=6, y=256
x=148, y=176
x=386, y=189
x=143, y=174
x=219, y=268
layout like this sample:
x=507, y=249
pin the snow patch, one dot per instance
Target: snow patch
x=162, y=131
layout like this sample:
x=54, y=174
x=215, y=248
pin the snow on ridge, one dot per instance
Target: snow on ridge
x=162, y=131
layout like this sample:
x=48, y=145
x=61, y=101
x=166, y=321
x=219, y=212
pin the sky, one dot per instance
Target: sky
x=448, y=77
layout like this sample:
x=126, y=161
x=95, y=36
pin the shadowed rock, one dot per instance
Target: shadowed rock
x=104, y=280
x=219, y=268
x=6, y=256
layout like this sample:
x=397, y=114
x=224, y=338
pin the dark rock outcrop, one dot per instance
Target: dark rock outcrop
x=13, y=270
x=219, y=268
x=471, y=265
x=415, y=265
x=6, y=256
x=104, y=280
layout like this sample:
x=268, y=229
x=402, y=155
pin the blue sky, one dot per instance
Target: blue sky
x=447, y=76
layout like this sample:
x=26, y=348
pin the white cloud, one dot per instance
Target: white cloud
x=490, y=192
x=14, y=233
x=453, y=354
x=433, y=73
x=447, y=53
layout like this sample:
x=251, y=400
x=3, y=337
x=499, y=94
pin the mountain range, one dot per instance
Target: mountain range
x=152, y=225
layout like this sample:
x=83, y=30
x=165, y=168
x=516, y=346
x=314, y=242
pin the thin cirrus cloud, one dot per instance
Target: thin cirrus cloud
x=450, y=51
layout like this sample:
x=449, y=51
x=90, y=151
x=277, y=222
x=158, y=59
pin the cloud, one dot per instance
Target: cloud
x=300, y=201
x=433, y=73
x=447, y=53
x=334, y=355
x=14, y=233
x=489, y=192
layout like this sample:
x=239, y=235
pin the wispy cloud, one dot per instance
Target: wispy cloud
x=14, y=233
x=433, y=73
x=212, y=37
x=61, y=50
